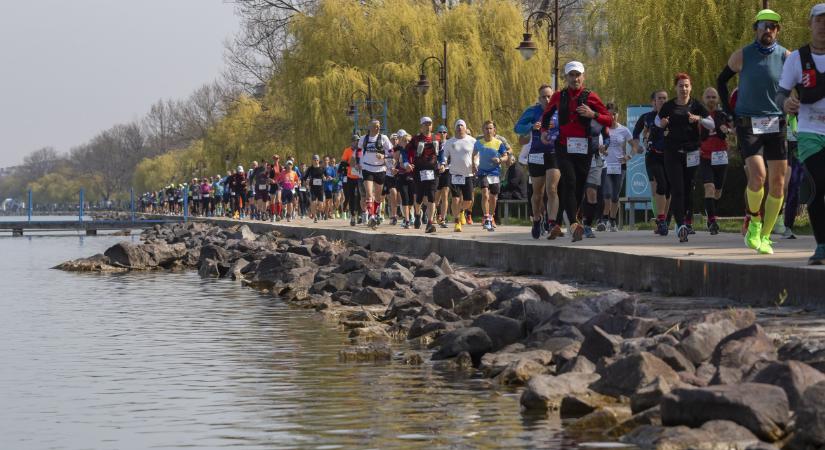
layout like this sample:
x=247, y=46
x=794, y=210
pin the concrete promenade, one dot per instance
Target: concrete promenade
x=717, y=266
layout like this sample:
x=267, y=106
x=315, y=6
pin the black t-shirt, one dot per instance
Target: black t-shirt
x=315, y=173
x=680, y=133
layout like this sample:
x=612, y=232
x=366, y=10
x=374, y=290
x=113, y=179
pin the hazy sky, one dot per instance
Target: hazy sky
x=71, y=68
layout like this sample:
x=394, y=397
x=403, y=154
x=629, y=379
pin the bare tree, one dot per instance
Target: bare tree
x=110, y=157
x=39, y=163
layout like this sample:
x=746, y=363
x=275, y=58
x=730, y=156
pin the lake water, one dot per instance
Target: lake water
x=168, y=360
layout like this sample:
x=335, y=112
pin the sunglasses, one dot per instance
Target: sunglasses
x=767, y=25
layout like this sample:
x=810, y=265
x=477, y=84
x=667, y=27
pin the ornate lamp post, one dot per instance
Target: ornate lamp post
x=528, y=47
x=423, y=85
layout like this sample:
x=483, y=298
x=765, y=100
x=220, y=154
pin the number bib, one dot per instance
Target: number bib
x=765, y=125
x=261, y=187
x=303, y=189
x=577, y=146
x=692, y=159
x=427, y=175
x=356, y=172
x=535, y=158
x=317, y=181
x=614, y=168
x=233, y=194
x=719, y=158
x=458, y=180
x=493, y=179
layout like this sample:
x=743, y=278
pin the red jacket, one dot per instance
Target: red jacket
x=574, y=128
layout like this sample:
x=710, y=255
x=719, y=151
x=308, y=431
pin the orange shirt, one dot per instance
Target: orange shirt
x=288, y=179
x=349, y=157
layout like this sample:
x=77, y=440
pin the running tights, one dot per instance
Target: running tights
x=795, y=174
x=815, y=168
x=681, y=184
x=353, y=196
x=574, y=169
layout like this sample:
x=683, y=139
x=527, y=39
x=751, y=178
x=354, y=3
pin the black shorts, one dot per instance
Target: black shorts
x=262, y=195
x=464, y=190
x=539, y=170
x=389, y=183
x=655, y=166
x=316, y=193
x=713, y=174
x=444, y=179
x=771, y=145
x=484, y=183
x=424, y=189
x=287, y=196
x=375, y=177
x=273, y=189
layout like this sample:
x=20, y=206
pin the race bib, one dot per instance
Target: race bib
x=719, y=158
x=577, y=146
x=614, y=168
x=493, y=179
x=303, y=189
x=233, y=194
x=457, y=180
x=261, y=187
x=427, y=175
x=692, y=159
x=529, y=180
x=317, y=182
x=535, y=158
x=356, y=172
x=345, y=180
x=765, y=125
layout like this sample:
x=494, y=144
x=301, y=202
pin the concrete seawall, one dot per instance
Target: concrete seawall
x=715, y=266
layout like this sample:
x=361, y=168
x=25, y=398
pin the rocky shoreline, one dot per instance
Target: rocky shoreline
x=604, y=361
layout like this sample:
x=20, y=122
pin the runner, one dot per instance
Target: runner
x=491, y=153
x=314, y=180
x=680, y=117
x=421, y=157
x=289, y=180
x=443, y=194
x=206, y=197
x=217, y=196
x=329, y=187
x=713, y=167
x=276, y=207
x=542, y=165
x=600, y=139
x=457, y=158
x=390, y=191
x=654, y=147
x=805, y=71
x=370, y=158
x=351, y=190
x=237, y=187
x=793, y=182
x=404, y=179
x=615, y=168
x=760, y=125
x=260, y=178
x=577, y=108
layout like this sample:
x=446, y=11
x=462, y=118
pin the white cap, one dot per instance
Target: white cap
x=401, y=133
x=818, y=10
x=573, y=65
x=424, y=120
x=460, y=122
x=240, y=168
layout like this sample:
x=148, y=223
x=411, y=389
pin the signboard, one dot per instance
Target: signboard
x=637, y=184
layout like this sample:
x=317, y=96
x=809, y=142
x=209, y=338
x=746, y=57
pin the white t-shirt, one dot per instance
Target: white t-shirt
x=811, y=117
x=459, y=153
x=369, y=158
x=619, y=137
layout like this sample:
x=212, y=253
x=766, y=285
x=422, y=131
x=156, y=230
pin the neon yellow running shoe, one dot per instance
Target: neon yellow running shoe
x=461, y=219
x=766, y=247
x=753, y=238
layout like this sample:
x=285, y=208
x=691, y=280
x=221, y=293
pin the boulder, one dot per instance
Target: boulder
x=552, y=292
x=793, y=376
x=545, y=392
x=737, y=353
x=630, y=373
x=243, y=232
x=372, y=278
x=331, y=283
x=598, y=343
x=673, y=357
x=652, y=416
x=351, y=263
x=549, y=329
x=579, y=364
x=165, y=254
x=583, y=403
x=423, y=325
x=810, y=419
x=474, y=303
x=809, y=351
x=651, y=395
x=493, y=363
x=704, y=334
x=401, y=307
x=370, y=352
x=528, y=310
x=303, y=250
x=372, y=296
x=517, y=373
x=761, y=408
x=236, y=270
x=575, y=314
x=472, y=340
x=713, y=435
x=505, y=289
x=598, y=421
x=521, y=296
x=448, y=290
x=209, y=269
x=96, y=263
x=130, y=256
x=396, y=275
x=501, y=330
x=433, y=266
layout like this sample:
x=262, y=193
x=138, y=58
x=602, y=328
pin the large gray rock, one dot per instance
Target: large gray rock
x=165, y=254
x=809, y=351
x=553, y=292
x=433, y=266
x=651, y=395
x=96, y=263
x=704, y=334
x=396, y=275
x=372, y=296
x=243, y=232
x=131, y=256
x=474, y=304
x=502, y=330
x=715, y=435
x=472, y=340
x=517, y=373
x=793, y=376
x=531, y=311
x=209, y=269
x=673, y=357
x=631, y=373
x=493, y=363
x=761, y=408
x=598, y=344
x=810, y=419
x=737, y=353
x=545, y=392
x=448, y=290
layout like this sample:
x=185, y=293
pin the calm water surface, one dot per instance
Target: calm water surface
x=167, y=360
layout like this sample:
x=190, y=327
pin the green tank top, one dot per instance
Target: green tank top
x=759, y=81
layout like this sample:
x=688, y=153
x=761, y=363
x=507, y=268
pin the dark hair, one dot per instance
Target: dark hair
x=681, y=76
x=612, y=107
x=488, y=122
x=653, y=94
x=545, y=86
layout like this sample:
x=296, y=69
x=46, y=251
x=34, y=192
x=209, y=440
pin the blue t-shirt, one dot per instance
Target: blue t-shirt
x=486, y=152
x=330, y=172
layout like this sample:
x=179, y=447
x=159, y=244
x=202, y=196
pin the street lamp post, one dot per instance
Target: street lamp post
x=352, y=109
x=423, y=84
x=528, y=47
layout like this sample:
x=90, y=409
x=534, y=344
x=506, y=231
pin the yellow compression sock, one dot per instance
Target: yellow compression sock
x=772, y=207
x=755, y=202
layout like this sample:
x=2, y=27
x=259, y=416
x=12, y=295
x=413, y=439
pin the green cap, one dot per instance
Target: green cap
x=767, y=14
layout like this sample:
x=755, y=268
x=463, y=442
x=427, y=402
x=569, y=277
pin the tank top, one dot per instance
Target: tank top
x=759, y=81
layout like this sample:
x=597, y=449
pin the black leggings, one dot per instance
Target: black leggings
x=681, y=185
x=405, y=190
x=815, y=169
x=353, y=196
x=574, y=169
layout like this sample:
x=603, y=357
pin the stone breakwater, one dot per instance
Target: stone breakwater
x=605, y=361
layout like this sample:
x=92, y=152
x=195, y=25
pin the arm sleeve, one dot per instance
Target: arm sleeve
x=639, y=127
x=526, y=121
x=722, y=87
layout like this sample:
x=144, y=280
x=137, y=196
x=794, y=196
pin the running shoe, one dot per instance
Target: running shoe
x=690, y=229
x=417, y=221
x=555, y=232
x=493, y=222
x=778, y=228
x=818, y=258
x=352, y=221
x=576, y=231
x=315, y=220
x=372, y=222
x=462, y=219
x=379, y=219
x=469, y=218
x=588, y=232
x=405, y=224
x=713, y=227
x=394, y=221
x=661, y=228
x=430, y=228
x=443, y=223
x=613, y=227
x=536, y=230
x=457, y=228
x=601, y=226
x=487, y=225
x=545, y=226
x=753, y=238
x=682, y=232
x=788, y=234
x=766, y=246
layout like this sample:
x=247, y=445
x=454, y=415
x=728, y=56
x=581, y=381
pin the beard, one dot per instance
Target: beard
x=766, y=40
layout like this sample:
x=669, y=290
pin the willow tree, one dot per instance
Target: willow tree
x=344, y=44
x=648, y=41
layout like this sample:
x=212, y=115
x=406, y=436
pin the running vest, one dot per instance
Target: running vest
x=759, y=81
x=564, y=108
x=812, y=88
x=656, y=135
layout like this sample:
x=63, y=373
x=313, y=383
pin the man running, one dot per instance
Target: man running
x=491, y=153
x=442, y=196
x=370, y=160
x=805, y=71
x=760, y=124
x=329, y=187
x=654, y=148
x=457, y=157
x=390, y=190
x=260, y=178
x=713, y=167
x=351, y=190
x=404, y=179
x=421, y=157
x=314, y=179
x=577, y=107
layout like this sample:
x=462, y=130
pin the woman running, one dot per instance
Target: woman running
x=713, y=167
